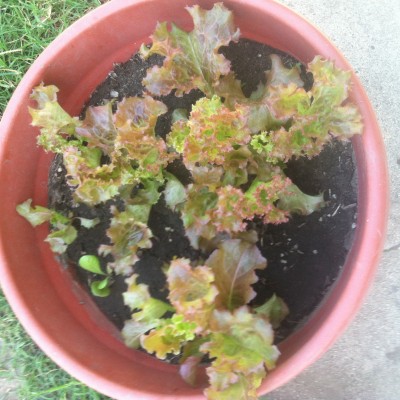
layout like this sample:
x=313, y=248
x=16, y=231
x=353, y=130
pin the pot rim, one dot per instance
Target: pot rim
x=330, y=319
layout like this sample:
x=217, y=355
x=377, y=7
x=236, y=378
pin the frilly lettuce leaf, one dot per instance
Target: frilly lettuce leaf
x=63, y=233
x=192, y=60
x=234, y=264
x=194, y=214
x=228, y=214
x=211, y=131
x=135, y=121
x=147, y=311
x=242, y=345
x=169, y=336
x=210, y=176
x=98, y=128
x=94, y=182
x=56, y=125
x=192, y=292
x=127, y=236
x=261, y=198
x=311, y=118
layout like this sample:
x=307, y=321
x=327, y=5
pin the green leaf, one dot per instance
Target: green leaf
x=100, y=288
x=242, y=345
x=192, y=292
x=169, y=337
x=215, y=130
x=91, y=263
x=147, y=311
x=275, y=310
x=94, y=183
x=176, y=138
x=55, y=124
x=134, y=330
x=139, y=212
x=138, y=299
x=127, y=236
x=280, y=75
x=148, y=194
x=234, y=264
x=295, y=201
x=63, y=233
x=263, y=194
x=34, y=215
x=89, y=223
x=192, y=60
x=174, y=192
x=194, y=216
x=61, y=238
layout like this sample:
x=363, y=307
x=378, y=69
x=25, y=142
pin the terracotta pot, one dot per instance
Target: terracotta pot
x=52, y=308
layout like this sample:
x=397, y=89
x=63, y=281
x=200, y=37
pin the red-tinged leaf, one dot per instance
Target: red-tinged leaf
x=94, y=183
x=310, y=119
x=190, y=359
x=127, y=236
x=261, y=198
x=98, y=128
x=286, y=101
x=56, y=125
x=280, y=75
x=135, y=121
x=192, y=60
x=194, y=214
x=228, y=215
x=234, y=264
x=188, y=369
x=242, y=345
x=192, y=292
x=210, y=176
x=176, y=138
x=215, y=130
x=331, y=84
x=236, y=166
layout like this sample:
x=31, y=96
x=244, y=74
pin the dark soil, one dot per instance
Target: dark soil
x=305, y=256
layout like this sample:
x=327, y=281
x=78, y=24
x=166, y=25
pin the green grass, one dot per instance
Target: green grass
x=26, y=28
x=26, y=373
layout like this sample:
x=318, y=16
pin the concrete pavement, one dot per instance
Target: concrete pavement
x=364, y=364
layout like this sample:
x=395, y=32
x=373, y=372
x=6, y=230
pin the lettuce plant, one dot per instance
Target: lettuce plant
x=235, y=148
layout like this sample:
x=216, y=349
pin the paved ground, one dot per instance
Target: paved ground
x=365, y=363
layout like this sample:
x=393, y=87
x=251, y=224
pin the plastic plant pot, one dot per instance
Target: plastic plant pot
x=55, y=311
